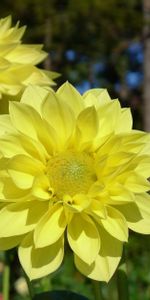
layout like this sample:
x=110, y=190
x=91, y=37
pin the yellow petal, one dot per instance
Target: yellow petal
x=91, y=100
x=30, y=74
x=119, y=195
x=77, y=203
x=87, y=127
x=138, y=214
x=125, y=121
x=118, y=159
x=143, y=166
x=22, y=180
x=71, y=96
x=110, y=111
x=146, y=148
x=115, y=224
x=101, y=95
x=9, y=191
x=34, y=97
x=41, y=187
x=14, y=34
x=13, y=144
x=40, y=262
x=98, y=209
x=60, y=117
x=5, y=23
x=24, y=54
x=23, y=169
x=26, y=164
x=81, y=202
x=18, y=61
x=136, y=183
x=10, y=242
x=5, y=124
x=131, y=142
x=19, y=218
x=4, y=63
x=9, y=147
x=106, y=262
x=83, y=237
x=51, y=227
x=27, y=121
x=32, y=148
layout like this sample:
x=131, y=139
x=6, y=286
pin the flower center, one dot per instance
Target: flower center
x=71, y=173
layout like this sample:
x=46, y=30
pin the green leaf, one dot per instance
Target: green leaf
x=59, y=295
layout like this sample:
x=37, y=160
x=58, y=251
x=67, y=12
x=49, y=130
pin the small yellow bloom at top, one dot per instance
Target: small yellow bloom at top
x=18, y=61
x=71, y=163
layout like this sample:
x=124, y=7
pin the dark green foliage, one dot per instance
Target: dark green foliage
x=59, y=295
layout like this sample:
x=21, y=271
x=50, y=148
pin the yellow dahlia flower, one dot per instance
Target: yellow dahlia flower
x=17, y=61
x=73, y=164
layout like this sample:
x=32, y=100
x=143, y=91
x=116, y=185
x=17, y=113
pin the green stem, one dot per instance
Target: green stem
x=46, y=284
x=30, y=287
x=6, y=282
x=122, y=283
x=97, y=290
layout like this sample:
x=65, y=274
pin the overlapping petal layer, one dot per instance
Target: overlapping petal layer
x=71, y=163
x=18, y=61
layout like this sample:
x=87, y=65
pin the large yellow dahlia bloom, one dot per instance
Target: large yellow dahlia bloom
x=17, y=61
x=71, y=164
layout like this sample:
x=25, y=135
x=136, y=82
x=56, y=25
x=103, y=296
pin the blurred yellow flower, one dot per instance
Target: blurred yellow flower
x=73, y=164
x=17, y=61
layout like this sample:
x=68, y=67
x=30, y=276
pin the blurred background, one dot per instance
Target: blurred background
x=92, y=43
